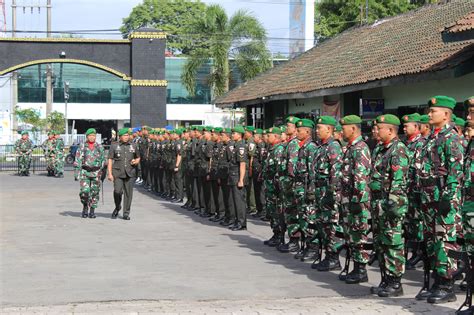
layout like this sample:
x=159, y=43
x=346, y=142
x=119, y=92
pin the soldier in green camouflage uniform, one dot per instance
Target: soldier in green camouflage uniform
x=468, y=206
x=257, y=169
x=178, y=152
x=24, y=148
x=389, y=184
x=413, y=220
x=59, y=156
x=48, y=147
x=88, y=168
x=272, y=193
x=286, y=183
x=327, y=186
x=441, y=180
x=355, y=193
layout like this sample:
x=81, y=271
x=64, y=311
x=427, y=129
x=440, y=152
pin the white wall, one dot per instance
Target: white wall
x=305, y=105
x=85, y=110
x=189, y=111
x=419, y=93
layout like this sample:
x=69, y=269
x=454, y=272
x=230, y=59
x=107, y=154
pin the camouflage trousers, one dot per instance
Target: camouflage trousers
x=328, y=225
x=414, y=221
x=356, y=230
x=24, y=162
x=440, y=237
x=271, y=205
x=89, y=191
x=289, y=204
x=59, y=164
x=50, y=163
x=467, y=213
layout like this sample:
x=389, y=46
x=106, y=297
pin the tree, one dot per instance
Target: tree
x=242, y=37
x=334, y=16
x=31, y=117
x=56, y=121
x=171, y=16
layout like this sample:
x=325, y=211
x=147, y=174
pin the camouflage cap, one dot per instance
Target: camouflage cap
x=90, y=131
x=238, y=129
x=308, y=123
x=415, y=117
x=258, y=131
x=327, y=120
x=292, y=120
x=442, y=101
x=424, y=119
x=388, y=119
x=274, y=130
x=350, y=120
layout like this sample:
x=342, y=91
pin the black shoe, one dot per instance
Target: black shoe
x=205, y=215
x=444, y=293
x=382, y=285
x=292, y=246
x=469, y=311
x=92, y=214
x=239, y=227
x=85, y=215
x=60, y=176
x=393, y=288
x=178, y=200
x=412, y=263
x=115, y=213
x=216, y=218
x=227, y=223
x=358, y=275
x=463, y=285
x=300, y=254
x=126, y=217
x=271, y=239
x=330, y=262
x=312, y=252
x=85, y=209
x=265, y=218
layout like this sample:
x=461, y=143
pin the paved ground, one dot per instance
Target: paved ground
x=165, y=260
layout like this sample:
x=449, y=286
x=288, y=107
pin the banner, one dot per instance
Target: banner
x=331, y=108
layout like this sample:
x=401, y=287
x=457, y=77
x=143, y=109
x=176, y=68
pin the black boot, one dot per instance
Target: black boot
x=312, y=252
x=92, y=213
x=458, y=274
x=358, y=275
x=444, y=293
x=469, y=311
x=118, y=205
x=382, y=285
x=85, y=210
x=416, y=258
x=330, y=262
x=271, y=239
x=292, y=246
x=393, y=287
x=302, y=252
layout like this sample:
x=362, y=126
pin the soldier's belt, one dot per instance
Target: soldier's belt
x=321, y=182
x=90, y=168
x=377, y=194
x=428, y=182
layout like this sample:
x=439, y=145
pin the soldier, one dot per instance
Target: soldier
x=49, y=146
x=441, y=180
x=188, y=168
x=425, y=128
x=223, y=171
x=251, y=148
x=217, y=197
x=460, y=123
x=24, y=148
x=286, y=182
x=390, y=172
x=237, y=178
x=204, y=150
x=257, y=176
x=327, y=184
x=355, y=172
x=88, y=167
x=272, y=194
x=122, y=170
x=58, y=156
x=178, y=167
x=414, y=221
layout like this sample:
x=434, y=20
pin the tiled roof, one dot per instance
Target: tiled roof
x=464, y=24
x=410, y=43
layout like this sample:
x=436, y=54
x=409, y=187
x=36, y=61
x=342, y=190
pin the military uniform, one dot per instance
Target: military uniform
x=223, y=174
x=49, y=148
x=88, y=168
x=250, y=194
x=24, y=148
x=217, y=197
x=257, y=176
x=59, y=157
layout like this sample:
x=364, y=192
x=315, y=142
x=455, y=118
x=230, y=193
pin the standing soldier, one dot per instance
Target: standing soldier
x=327, y=184
x=441, y=180
x=223, y=171
x=188, y=169
x=237, y=178
x=425, y=127
x=217, y=198
x=355, y=192
x=88, y=167
x=24, y=148
x=49, y=151
x=251, y=149
x=178, y=167
x=257, y=169
x=460, y=123
x=205, y=154
x=59, y=156
x=391, y=164
x=414, y=221
x=122, y=170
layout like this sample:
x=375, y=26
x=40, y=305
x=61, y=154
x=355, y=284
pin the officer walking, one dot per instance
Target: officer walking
x=24, y=148
x=88, y=167
x=124, y=159
x=59, y=156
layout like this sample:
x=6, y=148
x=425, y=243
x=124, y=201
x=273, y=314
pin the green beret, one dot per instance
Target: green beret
x=238, y=129
x=50, y=133
x=351, y=120
x=178, y=132
x=338, y=127
x=327, y=120
x=123, y=131
x=274, y=130
x=200, y=128
x=308, y=123
x=459, y=122
x=250, y=128
x=207, y=128
x=411, y=118
x=442, y=101
x=265, y=131
x=424, y=119
x=24, y=132
x=292, y=120
x=282, y=128
x=258, y=131
x=226, y=130
x=90, y=131
x=217, y=130
x=388, y=119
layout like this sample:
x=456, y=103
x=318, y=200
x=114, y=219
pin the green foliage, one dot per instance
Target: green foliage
x=241, y=37
x=335, y=16
x=56, y=121
x=171, y=16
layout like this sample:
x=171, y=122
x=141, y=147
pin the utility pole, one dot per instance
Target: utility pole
x=14, y=79
x=49, y=67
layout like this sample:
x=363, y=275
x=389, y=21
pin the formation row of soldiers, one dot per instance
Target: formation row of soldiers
x=53, y=148
x=331, y=192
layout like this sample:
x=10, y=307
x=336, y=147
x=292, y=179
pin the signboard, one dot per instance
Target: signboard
x=371, y=108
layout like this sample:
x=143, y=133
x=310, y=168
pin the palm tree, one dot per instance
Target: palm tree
x=241, y=37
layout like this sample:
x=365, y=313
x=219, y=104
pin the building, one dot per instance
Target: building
x=391, y=66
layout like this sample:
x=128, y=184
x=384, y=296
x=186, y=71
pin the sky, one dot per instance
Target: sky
x=108, y=14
